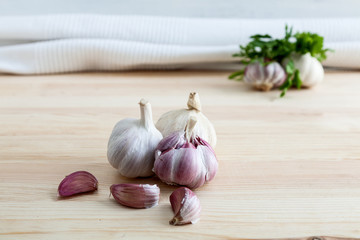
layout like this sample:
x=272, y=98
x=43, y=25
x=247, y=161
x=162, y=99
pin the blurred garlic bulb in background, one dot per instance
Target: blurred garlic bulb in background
x=311, y=70
x=176, y=120
x=132, y=144
x=185, y=159
x=264, y=77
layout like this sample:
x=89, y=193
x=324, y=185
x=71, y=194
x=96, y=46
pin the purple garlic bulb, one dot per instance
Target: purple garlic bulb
x=264, y=77
x=185, y=159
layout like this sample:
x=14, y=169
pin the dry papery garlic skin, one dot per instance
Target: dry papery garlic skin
x=186, y=207
x=132, y=144
x=77, y=182
x=136, y=195
x=176, y=120
x=185, y=159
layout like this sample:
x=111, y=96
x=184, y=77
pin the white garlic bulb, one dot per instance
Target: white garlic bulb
x=264, y=77
x=311, y=70
x=175, y=121
x=132, y=144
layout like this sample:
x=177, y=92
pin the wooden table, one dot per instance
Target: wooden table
x=287, y=167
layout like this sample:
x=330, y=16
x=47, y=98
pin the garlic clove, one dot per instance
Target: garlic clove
x=190, y=164
x=264, y=77
x=186, y=207
x=174, y=140
x=136, y=195
x=208, y=157
x=77, y=182
x=175, y=121
x=132, y=144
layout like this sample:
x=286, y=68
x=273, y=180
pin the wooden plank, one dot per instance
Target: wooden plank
x=287, y=167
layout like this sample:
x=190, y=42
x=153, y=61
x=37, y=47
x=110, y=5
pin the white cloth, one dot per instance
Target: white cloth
x=65, y=43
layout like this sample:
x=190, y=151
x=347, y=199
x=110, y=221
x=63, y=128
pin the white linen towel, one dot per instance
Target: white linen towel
x=66, y=43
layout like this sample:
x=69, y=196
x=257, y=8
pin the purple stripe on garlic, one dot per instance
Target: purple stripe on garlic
x=264, y=77
x=185, y=159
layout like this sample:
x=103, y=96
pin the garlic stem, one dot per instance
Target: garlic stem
x=194, y=102
x=146, y=114
x=190, y=127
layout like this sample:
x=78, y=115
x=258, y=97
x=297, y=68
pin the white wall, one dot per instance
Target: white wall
x=189, y=8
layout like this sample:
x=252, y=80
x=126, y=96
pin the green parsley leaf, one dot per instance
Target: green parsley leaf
x=312, y=43
x=237, y=75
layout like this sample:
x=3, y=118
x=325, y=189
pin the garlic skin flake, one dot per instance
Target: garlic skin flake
x=132, y=144
x=136, y=195
x=186, y=207
x=264, y=77
x=176, y=120
x=185, y=159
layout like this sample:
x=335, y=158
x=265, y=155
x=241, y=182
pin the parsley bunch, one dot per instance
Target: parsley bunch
x=265, y=50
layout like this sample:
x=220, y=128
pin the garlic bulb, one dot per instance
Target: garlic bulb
x=311, y=70
x=185, y=159
x=186, y=207
x=264, y=77
x=176, y=120
x=132, y=144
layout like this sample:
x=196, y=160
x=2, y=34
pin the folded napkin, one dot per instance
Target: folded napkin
x=67, y=43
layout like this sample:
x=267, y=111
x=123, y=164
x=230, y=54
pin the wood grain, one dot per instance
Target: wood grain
x=287, y=167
